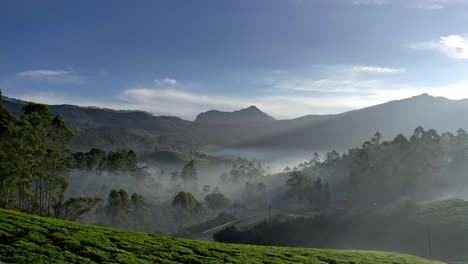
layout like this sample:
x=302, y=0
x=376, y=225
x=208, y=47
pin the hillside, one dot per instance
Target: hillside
x=252, y=128
x=446, y=213
x=351, y=129
x=32, y=239
x=116, y=129
x=248, y=115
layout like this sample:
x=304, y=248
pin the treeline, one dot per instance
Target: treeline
x=394, y=231
x=33, y=160
x=380, y=172
x=136, y=213
x=121, y=161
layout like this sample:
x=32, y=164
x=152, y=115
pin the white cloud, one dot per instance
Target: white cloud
x=47, y=75
x=338, y=79
x=165, y=82
x=341, y=88
x=326, y=85
x=371, y=69
x=453, y=46
x=419, y=4
x=370, y=2
x=435, y=4
x=287, y=105
x=41, y=73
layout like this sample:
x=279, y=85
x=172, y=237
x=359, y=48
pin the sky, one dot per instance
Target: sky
x=288, y=57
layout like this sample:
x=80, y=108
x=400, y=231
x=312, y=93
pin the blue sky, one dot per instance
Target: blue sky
x=288, y=57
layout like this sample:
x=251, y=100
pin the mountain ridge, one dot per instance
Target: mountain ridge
x=252, y=128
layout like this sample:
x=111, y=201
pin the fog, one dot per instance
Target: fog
x=340, y=199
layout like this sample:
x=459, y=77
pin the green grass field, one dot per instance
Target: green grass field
x=449, y=212
x=32, y=239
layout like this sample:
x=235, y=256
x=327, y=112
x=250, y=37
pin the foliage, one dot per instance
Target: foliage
x=189, y=172
x=32, y=239
x=89, y=160
x=187, y=208
x=118, y=207
x=400, y=228
x=299, y=184
x=33, y=160
x=185, y=201
x=243, y=171
x=74, y=207
x=381, y=172
x=189, y=177
x=217, y=201
x=116, y=162
x=195, y=231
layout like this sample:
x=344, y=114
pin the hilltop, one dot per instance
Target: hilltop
x=33, y=239
x=247, y=115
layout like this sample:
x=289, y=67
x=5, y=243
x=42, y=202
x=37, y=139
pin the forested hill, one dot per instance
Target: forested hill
x=252, y=128
x=350, y=129
x=114, y=129
x=250, y=114
x=31, y=239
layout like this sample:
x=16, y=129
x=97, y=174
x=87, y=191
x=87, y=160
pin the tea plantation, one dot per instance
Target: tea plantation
x=32, y=239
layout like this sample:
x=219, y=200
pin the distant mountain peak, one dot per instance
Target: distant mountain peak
x=246, y=115
x=423, y=95
x=252, y=107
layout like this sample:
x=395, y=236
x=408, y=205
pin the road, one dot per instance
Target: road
x=248, y=220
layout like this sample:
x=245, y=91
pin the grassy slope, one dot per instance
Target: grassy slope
x=449, y=212
x=31, y=239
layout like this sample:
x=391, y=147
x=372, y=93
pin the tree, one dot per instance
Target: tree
x=189, y=176
x=118, y=207
x=189, y=172
x=299, y=184
x=315, y=194
x=326, y=195
x=43, y=178
x=186, y=207
x=376, y=138
x=139, y=211
x=243, y=171
x=206, y=189
x=138, y=201
x=9, y=153
x=217, y=201
x=185, y=201
x=73, y=208
x=229, y=235
x=89, y=160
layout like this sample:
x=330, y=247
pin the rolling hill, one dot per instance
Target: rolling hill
x=351, y=129
x=253, y=129
x=247, y=115
x=32, y=239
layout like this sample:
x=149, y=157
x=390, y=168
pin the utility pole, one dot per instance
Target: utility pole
x=269, y=211
x=429, y=240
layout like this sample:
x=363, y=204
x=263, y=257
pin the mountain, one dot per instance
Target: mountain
x=32, y=239
x=351, y=129
x=252, y=128
x=248, y=115
x=114, y=129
